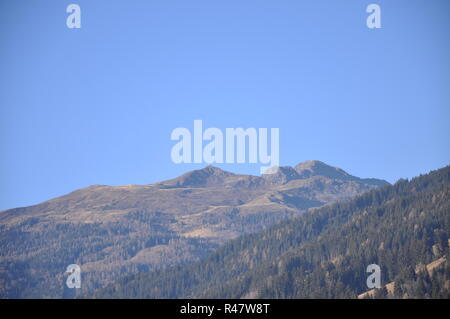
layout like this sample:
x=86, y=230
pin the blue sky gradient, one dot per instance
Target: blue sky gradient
x=97, y=105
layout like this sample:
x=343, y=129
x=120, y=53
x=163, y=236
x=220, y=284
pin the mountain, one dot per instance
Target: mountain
x=317, y=168
x=112, y=231
x=324, y=253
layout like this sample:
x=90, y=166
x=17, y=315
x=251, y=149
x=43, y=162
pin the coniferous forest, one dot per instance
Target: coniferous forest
x=404, y=228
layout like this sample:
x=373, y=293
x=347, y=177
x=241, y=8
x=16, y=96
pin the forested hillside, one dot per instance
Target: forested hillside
x=324, y=253
x=112, y=231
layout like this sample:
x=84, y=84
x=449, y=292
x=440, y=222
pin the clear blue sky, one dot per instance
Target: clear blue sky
x=97, y=105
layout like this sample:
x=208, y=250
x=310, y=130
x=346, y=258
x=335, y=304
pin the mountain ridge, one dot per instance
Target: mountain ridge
x=109, y=230
x=325, y=252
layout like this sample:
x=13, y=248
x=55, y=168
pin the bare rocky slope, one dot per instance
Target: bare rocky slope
x=114, y=230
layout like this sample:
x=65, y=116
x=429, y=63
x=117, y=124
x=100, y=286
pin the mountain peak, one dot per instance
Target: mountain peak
x=210, y=169
x=317, y=168
x=206, y=176
x=281, y=175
